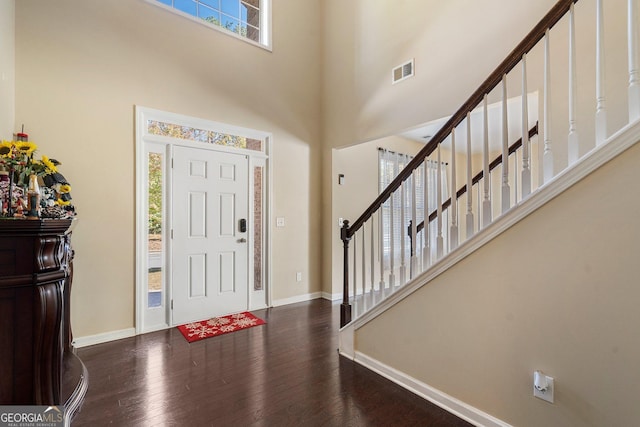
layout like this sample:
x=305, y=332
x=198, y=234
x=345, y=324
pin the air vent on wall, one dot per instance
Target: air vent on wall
x=402, y=72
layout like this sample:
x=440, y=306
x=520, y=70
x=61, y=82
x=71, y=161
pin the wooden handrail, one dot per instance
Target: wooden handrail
x=494, y=164
x=534, y=36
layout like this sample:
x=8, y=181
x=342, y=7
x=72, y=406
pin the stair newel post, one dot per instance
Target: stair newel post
x=506, y=190
x=486, y=201
x=601, y=112
x=453, y=230
x=526, y=169
x=345, y=307
x=547, y=157
x=573, y=142
x=634, y=72
x=469, y=181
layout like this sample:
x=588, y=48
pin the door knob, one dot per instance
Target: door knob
x=243, y=240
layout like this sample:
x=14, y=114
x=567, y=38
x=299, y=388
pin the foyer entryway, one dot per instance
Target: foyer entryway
x=202, y=215
x=209, y=246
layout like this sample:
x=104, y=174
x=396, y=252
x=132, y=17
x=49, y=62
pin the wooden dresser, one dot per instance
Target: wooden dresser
x=37, y=362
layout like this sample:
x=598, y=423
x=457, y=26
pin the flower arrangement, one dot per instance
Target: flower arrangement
x=21, y=175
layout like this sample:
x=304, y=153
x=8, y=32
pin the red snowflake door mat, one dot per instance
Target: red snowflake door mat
x=215, y=326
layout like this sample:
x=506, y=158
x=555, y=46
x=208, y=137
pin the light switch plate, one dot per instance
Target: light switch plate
x=280, y=221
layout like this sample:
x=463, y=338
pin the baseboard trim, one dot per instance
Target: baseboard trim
x=297, y=298
x=331, y=297
x=88, y=340
x=450, y=404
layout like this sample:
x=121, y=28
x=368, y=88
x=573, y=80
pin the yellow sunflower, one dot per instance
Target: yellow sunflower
x=65, y=188
x=49, y=164
x=26, y=147
x=6, y=148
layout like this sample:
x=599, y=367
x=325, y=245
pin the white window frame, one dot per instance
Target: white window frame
x=265, y=23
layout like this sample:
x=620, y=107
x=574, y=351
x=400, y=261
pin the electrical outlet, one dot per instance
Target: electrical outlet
x=340, y=221
x=546, y=389
x=280, y=221
x=299, y=276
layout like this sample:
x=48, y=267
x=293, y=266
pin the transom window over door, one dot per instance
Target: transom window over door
x=245, y=18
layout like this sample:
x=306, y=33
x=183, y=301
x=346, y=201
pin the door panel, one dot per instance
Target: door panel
x=209, y=251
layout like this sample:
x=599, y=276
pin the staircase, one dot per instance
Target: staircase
x=574, y=140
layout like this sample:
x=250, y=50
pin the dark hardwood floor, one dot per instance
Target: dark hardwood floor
x=285, y=373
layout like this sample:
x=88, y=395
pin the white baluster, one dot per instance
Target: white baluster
x=486, y=202
x=381, y=233
x=634, y=73
x=601, y=112
x=392, y=276
x=469, y=181
x=373, y=256
x=573, y=142
x=414, y=226
x=426, y=245
x=506, y=190
x=356, y=305
x=453, y=230
x=479, y=197
x=364, y=270
x=526, y=171
x=547, y=157
x=439, y=239
x=403, y=234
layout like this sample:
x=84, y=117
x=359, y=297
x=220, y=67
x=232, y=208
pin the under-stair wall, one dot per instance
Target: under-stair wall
x=556, y=292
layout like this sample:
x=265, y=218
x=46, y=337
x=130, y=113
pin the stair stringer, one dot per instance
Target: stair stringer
x=615, y=145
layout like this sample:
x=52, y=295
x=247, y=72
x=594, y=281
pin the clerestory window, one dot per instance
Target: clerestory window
x=245, y=18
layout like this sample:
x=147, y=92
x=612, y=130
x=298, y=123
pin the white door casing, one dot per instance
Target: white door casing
x=209, y=250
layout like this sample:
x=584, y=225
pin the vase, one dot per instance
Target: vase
x=33, y=197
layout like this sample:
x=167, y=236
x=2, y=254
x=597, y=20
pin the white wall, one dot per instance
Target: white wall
x=82, y=66
x=7, y=69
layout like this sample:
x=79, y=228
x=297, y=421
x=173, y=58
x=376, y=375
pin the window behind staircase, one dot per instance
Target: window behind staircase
x=390, y=164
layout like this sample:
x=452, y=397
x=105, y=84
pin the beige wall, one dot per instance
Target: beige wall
x=82, y=65
x=7, y=69
x=556, y=292
x=365, y=40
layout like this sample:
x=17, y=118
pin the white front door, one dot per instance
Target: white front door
x=209, y=246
